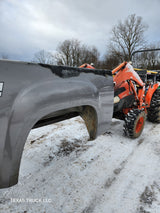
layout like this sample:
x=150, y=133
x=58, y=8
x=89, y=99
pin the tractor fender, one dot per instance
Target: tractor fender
x=150, y=93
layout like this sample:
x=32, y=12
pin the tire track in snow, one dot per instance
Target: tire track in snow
x=116, y=172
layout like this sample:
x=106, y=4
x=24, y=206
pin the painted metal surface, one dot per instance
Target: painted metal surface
x=36, y=94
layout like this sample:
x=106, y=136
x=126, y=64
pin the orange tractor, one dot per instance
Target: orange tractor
x=88, y=66
x=134, y=99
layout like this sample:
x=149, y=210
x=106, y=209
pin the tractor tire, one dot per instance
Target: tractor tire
x=154, y=109
x=134, y=123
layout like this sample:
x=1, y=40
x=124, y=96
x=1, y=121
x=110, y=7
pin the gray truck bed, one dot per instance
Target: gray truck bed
x=34, y=95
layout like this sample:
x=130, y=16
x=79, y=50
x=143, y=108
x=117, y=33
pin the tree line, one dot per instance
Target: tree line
x=125, y=38
x=71, y=53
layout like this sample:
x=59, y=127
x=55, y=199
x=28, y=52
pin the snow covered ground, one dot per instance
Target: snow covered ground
x=63, y=172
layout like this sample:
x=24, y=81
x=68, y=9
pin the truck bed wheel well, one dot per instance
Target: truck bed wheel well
x=87, y=113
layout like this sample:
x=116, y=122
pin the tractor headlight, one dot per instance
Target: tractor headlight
x=116, y=99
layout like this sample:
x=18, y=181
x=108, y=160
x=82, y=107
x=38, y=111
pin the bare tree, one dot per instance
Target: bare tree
x=127, y=36
x=44, y=57
x=149, y=59
x=110, y=61
x=68, y=53
x=90, y=55
x=73, y=53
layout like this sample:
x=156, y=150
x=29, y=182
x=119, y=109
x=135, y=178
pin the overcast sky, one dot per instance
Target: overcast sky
x=27, y=26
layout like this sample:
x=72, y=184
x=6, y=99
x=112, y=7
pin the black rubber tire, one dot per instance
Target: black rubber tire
x=134, y=118
x=154, y=109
